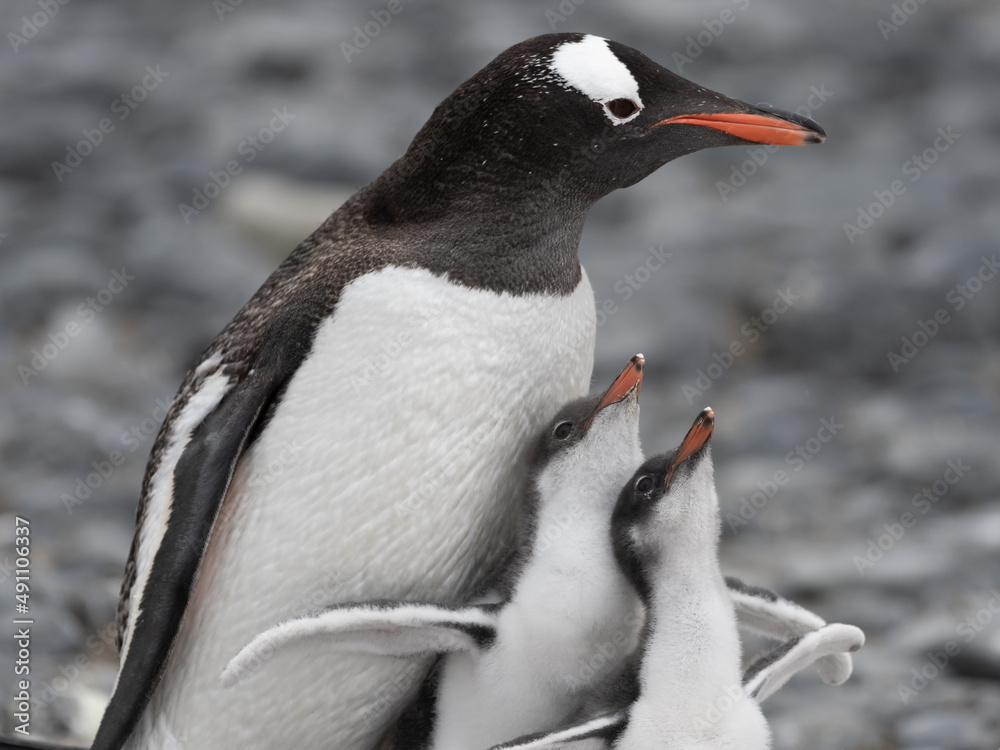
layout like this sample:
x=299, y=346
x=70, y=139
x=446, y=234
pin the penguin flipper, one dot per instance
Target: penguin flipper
x=607, y=727
x=201, y=479
x=383, y=628
x=767, y=674
x=764, y=612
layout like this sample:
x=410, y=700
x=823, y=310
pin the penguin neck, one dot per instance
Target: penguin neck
x=568, y=546
x=690, y=683
x=508, y=231
x=570, y=553
x=692, y=643
x=570, y=594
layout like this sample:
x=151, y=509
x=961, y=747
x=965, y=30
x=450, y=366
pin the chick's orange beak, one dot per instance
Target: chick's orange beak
x=630, y=378
x=699, y=434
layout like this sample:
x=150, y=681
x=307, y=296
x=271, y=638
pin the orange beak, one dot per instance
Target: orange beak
x=630, y=378
x=699, y=434
x=754, y=128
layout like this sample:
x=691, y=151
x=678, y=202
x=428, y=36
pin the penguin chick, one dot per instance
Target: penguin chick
x=687, y=693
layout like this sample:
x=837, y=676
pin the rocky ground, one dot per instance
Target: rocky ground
x=858, y=439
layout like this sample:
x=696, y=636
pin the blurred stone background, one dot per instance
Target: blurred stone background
x=866, y=391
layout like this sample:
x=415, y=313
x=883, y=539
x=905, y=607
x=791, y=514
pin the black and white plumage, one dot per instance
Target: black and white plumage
x=686, y=692
x=769, y=672
x=460, y=263
x=566, y=620
x=764, y=612
x=764, y=677
x=525, y=663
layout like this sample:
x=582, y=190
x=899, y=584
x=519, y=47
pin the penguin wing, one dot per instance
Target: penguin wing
x=384, y=628
x=607, y=727
x=763, y=611
x=767, y=674
x=210, y=443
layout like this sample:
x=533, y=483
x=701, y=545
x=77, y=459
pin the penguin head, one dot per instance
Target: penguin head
x=576, y=116
x=594, y=423
x=669, y=509
x=584, y=454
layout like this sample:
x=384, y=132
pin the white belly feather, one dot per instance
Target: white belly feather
x=387, y=471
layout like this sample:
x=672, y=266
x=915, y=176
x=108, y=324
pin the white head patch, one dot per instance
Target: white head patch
x=592, y=68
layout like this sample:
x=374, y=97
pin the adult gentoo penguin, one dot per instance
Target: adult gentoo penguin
x=291, y=456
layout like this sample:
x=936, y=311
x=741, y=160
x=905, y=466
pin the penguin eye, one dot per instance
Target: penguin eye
x=643, y=484
x=622, y=108
x=562, y=431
